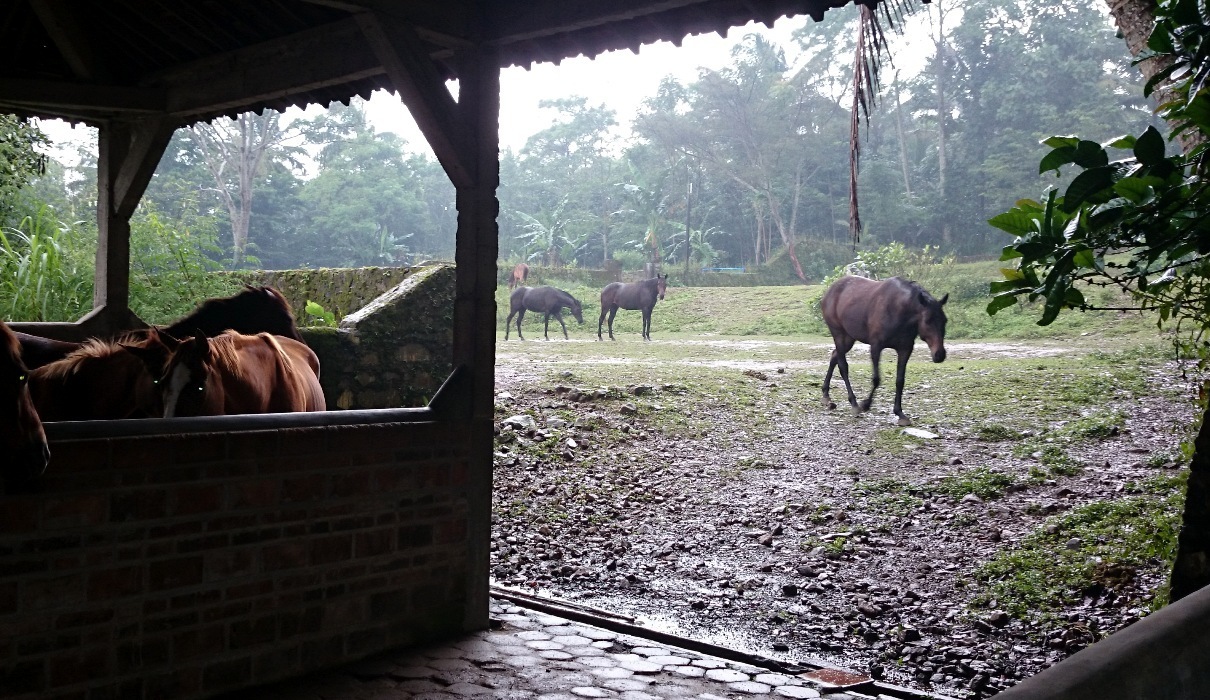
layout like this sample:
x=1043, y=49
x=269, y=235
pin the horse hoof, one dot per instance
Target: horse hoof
x=904, y=421
x=830, y=405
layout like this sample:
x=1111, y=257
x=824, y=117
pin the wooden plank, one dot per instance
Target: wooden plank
x=421, y=87
x=317, y=58
x=49, y=95
x=509, y=23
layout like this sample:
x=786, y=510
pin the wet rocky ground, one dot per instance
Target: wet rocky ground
x=725, y=503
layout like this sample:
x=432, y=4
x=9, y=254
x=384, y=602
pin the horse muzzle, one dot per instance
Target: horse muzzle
x=939, y=355
x=28, y=464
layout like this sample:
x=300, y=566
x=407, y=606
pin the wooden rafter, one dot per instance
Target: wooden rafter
x=422, y=88
x=70, y=39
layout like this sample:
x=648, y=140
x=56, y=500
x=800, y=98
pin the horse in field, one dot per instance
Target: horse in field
x=25, y=451
x=886, y=314
x=631, y=295
x=519, y=275
x=103, y=380
x=236, y=374
x=253, y=310
x=545, y=300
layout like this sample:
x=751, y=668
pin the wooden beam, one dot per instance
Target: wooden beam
x=325, y=56
x=49, y=95
x=420, y=85
x=148, y=139
x=71, y=39
x=514, y=22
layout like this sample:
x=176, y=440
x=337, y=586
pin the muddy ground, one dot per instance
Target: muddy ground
x=724, y=502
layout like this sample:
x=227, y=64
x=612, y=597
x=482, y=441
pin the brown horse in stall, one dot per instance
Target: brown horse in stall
x=26, y=453
x=519, y=275
x=103, y=380
x=631, y=296
x=237, y=374
x=253, y=310
x=886, y=314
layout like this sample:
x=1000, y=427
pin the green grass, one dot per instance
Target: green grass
x=1041, y=574
x=981, y=481
x=794, y=310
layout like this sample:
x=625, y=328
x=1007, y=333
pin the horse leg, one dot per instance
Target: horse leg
x=520, y=318
x=900, y=374
x=646, y=324
x=559, y=318
x=508, y=324
x=546, y=326
x=876, y=358
x=827, y=380
x=601, y=321
x=613, y=311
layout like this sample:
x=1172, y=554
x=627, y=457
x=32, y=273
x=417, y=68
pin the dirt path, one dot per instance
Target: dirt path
x=751, y=516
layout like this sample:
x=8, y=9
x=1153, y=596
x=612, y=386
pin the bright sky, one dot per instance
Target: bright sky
x=620, y=80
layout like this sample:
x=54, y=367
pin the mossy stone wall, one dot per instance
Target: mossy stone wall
x=339, y=290
x=393, y=352
x=394, y=344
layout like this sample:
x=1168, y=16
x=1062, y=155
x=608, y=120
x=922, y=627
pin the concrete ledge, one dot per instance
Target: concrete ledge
x=1164, y=655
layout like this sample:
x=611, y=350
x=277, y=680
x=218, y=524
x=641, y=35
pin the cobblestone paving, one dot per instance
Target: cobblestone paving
x=532, y=655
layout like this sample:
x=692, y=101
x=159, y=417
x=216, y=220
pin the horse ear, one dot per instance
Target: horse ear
x=945, y=298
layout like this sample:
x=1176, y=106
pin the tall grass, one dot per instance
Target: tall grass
x=42, y=277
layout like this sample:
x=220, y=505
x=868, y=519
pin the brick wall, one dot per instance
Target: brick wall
x=186, y=565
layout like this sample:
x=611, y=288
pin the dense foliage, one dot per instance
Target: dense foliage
x=1136, y=216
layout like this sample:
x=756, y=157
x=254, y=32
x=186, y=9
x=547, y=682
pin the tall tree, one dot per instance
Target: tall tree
x=234, y=151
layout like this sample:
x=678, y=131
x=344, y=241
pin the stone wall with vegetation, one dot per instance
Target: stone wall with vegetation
x=339, y=290
x=393, y=352
x=676, y=275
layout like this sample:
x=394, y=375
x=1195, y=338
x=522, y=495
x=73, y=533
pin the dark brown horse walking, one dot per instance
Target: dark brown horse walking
x=886, y=314
x=545, y=300
x=631, y=296
x=519, y=275
x=25, y=453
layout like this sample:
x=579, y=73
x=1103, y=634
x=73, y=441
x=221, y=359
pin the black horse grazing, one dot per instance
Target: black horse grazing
x=546, y=300
x=886, y=314
x=631, y=295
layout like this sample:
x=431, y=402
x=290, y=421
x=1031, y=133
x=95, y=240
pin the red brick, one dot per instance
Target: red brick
x=192, y=499
x=284, y=555
x=228, y=563
x=352, y=484
x=303, y=488
x=142, y=504
x=19, y=515
x=53, y=592
x=197, y=643
x=174, y=573
x=143, y=452
x=256, y=493
x=80, y=511
x=226, y=612
x=250, y=589
x=191, y=449
x=306, y=441
x=372, y=544
x=252, y=446
x=83, y=618
x=247, y=633
x=451, y=531
x=226, y=675
x=69, y=669
x=328, y=550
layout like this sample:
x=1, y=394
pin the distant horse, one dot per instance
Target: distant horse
x=24, y=444
x=519, y=275
x=886, y=314
x=631, y=296
x=103, y=380
x=253, y=310
x=236, y=374
x=546, y=300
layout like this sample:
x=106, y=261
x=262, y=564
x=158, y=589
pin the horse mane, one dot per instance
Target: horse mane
x=90, y=349
x=12, y=346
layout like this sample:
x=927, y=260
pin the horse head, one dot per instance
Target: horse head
x=188, y=385
x=21, y=433
x=576, y=309
x=932, y=324
x=661, y=284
